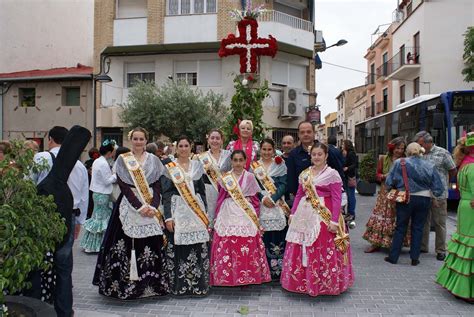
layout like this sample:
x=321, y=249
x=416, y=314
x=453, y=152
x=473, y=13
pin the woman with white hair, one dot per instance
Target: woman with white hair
x=420, y=180
x=245, y=142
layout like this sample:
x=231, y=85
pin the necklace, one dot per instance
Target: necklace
x=184, y=166
x=216, y=158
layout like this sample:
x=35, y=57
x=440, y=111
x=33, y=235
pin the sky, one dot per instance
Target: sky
x=354, y=21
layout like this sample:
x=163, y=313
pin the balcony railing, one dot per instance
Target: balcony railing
x=370, y=79
x=406, y=56
x=283, y=18
x=382, y=70
x=368, y=112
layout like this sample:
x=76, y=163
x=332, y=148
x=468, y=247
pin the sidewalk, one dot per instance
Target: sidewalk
x=380, y=289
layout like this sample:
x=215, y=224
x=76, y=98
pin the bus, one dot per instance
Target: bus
x=446, y=116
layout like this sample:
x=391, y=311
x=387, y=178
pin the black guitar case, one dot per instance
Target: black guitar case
x=56, y=182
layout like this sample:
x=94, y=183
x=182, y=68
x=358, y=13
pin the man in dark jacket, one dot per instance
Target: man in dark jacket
x=335, y=159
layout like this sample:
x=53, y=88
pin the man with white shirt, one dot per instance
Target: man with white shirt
x=79, y=186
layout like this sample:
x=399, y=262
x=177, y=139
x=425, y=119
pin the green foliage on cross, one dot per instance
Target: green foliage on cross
x=246, y=104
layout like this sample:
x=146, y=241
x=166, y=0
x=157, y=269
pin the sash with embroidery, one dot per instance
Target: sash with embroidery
x=140, y=182
x=212, y=171
x=268, y=185
x=342, y=238
x=178, y=178
x=233, y=188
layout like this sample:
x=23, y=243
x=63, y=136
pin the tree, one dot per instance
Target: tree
x=247, y=104
x=29, y=223
x=468, y=56
x=174, y=109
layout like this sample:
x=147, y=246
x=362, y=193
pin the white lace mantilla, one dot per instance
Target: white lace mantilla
x=189, y=229
x=305, y=225
x=211, y=197
x=232, y=221
x=272, y=219
x=135, y=225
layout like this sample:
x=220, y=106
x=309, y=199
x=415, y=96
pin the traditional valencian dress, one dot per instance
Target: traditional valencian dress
x=238, y=253
x=131, y=261
x=382, y=222
x=213, y=170
x=187, y=253
x=316, y=261
x=457, y=273
x=273, y=220
x=101, y=186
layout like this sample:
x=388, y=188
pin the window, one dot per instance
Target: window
x=402, y=93
x=372, y=74
x=288, y=74
x=385, y=99
x=187, y=78
x=127, y=9
x=71, y=96
x=416, y=87
x=113, y=134
x=183, y=7
x=402, y=55
x=409, y=8
x=135, y=78
x=27, y=97
x=137, y=72
x=372, y=105
x=384, y=63
x=416, y=43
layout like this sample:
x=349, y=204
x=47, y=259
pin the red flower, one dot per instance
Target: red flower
x=250, y=77
x=278, y=160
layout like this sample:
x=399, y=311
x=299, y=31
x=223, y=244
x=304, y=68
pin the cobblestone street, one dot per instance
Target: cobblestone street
x=380, y=289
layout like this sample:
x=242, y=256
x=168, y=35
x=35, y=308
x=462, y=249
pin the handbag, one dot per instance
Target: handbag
x=398, y=196
x=352, y=182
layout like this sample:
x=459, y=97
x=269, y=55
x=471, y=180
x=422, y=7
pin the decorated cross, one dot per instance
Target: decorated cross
x=248, y=45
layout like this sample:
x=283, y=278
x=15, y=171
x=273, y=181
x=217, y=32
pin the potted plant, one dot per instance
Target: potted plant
x=29, y=227
x=367, y=170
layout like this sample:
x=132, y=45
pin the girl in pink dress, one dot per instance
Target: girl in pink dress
x=238, y=253
x=313, y=264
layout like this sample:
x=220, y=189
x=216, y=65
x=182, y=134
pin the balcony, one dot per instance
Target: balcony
x=198, y=28
x=370, y=81
x=368, y=112
x=405, y=64
x=382, y=72
x=287, y=29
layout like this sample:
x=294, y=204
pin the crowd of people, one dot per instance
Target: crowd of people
x=173, y=222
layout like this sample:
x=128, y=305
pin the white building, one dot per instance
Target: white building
x=158, y=40
x=428, y=47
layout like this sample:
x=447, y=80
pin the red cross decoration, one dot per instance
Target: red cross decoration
x=248, y=46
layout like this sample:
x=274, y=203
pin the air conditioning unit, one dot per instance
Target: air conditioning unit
x=291, y=103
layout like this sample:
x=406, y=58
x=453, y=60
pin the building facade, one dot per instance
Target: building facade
x=427, y=48
x=45, y=67
x=158, y=40
x=347, y=100
x=330, y=124
x=379, y=87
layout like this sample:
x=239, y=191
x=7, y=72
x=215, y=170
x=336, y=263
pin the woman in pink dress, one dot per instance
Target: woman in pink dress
x=313, y=263
x=238, y=253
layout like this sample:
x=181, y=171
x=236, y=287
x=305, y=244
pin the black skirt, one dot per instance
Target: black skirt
x=112, y=273
x=188, y=267
x=275, y=249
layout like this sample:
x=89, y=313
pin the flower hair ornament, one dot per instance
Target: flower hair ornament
x=470, y=139
x=107, y=142
x=129, y=135
x=391, y=147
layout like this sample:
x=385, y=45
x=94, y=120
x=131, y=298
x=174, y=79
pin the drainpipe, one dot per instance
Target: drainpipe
x=1, y=116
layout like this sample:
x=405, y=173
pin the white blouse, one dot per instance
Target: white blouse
x=102, y=177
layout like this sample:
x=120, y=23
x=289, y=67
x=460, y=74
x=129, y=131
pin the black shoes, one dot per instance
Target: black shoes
x=440, y=256
x=387, y=259
x=415, y=262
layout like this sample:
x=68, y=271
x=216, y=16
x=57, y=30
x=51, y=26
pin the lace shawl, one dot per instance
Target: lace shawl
x=135, y=225
x=188, y=228
x=232, y=220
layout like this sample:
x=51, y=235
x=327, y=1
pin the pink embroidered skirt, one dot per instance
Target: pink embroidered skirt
x=237, y=261
x=325, y=273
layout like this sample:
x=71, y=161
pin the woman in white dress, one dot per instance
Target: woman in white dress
x=215, y=161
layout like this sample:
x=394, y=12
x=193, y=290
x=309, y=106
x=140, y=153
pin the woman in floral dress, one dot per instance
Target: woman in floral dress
x=381, y=224
x=273, y=208
x=131, y=262
x=184, y=202
x=237, y=252
x=245, y=142
x=313, y=263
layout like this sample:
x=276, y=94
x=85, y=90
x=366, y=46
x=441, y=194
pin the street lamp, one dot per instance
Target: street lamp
x=102, y=77
x=339, y=43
